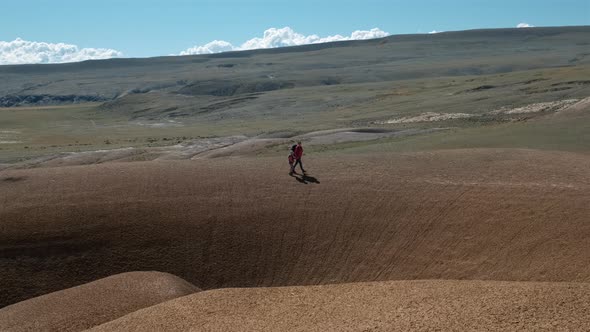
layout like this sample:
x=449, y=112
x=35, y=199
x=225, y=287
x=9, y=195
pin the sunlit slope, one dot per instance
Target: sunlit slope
x=565, y=130
x=91, y=304
x=379, y=306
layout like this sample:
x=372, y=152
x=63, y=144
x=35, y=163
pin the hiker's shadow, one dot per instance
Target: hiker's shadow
x=305, y=179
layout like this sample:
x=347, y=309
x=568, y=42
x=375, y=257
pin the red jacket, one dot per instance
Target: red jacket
x=298, y=152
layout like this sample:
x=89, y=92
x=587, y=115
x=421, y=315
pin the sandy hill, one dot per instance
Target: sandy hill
x=377, y=306
x=91, y=304
x=441, y=195
x=488, y=214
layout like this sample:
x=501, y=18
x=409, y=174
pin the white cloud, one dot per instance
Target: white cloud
x=525, y=25
x=274, y=37
x=434, y=31
x=370, y=34
x=21, y=51
x=215, y=46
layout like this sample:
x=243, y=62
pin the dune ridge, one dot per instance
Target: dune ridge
x=91, y=304
x=420, y=305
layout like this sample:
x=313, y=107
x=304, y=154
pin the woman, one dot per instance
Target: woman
x=297, y=153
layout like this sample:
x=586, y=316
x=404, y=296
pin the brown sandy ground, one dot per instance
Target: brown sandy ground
x=376, y=306
x=81, y=307
x=488, y=214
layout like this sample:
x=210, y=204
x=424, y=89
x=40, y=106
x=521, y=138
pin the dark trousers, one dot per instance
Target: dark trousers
x=298, y=161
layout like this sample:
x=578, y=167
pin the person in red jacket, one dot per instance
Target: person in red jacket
x=297, y=154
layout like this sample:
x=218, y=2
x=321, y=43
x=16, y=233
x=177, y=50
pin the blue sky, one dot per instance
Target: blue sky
x=139, y=28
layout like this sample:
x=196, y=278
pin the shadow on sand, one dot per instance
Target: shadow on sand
x=305, y=179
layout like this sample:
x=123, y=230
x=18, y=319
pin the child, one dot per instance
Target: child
x=292, y=158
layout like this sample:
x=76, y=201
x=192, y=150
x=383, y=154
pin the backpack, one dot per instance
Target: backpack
x=293, y=148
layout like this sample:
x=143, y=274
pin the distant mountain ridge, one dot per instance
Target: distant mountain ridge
x=389, y=59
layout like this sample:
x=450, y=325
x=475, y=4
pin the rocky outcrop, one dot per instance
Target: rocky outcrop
x=45, y=99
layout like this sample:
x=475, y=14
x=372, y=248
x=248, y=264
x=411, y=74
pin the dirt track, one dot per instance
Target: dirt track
x=470, y=214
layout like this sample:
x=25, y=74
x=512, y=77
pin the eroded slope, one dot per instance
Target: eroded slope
x=488, y=214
